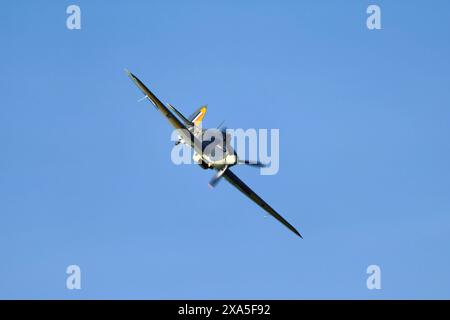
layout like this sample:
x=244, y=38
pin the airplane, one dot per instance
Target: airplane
x=191, y=134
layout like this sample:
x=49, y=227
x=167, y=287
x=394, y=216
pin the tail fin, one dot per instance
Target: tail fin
x=197, y=117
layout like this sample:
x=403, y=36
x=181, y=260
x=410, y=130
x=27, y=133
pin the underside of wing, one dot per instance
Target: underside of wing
x=173, y=120
x=235, y=181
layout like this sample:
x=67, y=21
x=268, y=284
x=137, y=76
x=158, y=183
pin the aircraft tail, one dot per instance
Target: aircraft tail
x=197, y=117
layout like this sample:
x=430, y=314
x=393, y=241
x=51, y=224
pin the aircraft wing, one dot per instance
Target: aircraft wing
x=173, y=120
x=235, y=181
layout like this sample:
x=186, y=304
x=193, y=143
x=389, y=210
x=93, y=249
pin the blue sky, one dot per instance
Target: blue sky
x=86, y=176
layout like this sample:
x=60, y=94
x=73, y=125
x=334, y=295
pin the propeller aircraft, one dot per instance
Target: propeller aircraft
x=205, y=154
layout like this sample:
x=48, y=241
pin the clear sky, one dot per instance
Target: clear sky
x=86, y=176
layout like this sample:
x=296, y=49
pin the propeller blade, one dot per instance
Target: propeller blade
x=220, y=125
x=223, y=129
x=256, y=164
x=216, y=178
x=214, y=181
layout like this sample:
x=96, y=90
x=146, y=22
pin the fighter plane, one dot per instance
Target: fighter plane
x=191, y=134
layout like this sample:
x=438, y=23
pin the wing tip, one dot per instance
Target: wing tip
x=296, y=232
